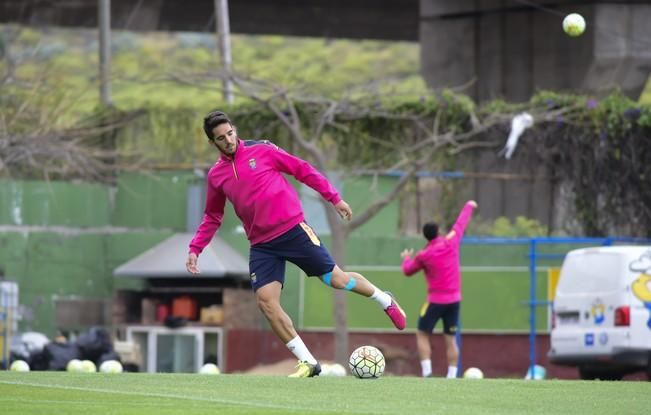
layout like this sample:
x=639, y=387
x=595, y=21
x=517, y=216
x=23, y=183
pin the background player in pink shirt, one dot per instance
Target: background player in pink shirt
x=250, y=175
x=440, y=262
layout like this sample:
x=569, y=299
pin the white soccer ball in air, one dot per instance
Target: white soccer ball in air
x=19, y=366
x=473, y=373
x=367, y=362
x=574, y=24
x=209, y=369
x=111, y=366
x=74, y=366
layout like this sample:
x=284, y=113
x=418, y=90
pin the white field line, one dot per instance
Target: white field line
x=53, y=401
x=231, y=402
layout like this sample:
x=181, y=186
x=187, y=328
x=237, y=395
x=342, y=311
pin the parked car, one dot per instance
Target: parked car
x=601, y=318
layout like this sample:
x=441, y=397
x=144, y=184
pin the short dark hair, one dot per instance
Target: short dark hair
x=430, y=230
x=212, y=120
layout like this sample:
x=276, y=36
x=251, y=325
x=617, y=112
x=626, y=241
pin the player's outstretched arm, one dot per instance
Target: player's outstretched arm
x=191, y=264
x=410, y=264
x=344, y=210
x=460, y=224
x=407, y=253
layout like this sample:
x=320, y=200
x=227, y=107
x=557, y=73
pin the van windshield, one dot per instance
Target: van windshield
x=590, y=273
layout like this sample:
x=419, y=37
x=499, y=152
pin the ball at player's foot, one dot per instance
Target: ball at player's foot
x=574, y=24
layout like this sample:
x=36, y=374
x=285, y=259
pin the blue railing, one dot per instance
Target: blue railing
x=534, y=256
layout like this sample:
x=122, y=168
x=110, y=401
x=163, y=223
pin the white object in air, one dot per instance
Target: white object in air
x=519, y=123
x=574, y=24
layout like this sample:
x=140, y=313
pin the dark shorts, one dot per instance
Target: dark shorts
x=430, y=314
x=299, y=245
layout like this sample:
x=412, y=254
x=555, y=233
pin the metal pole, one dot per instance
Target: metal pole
x=532, y=305
x=4, y=320
x=104, y=20
x=458, y=339
x=224, y=42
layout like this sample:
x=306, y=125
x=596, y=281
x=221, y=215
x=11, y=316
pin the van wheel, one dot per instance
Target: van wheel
x=592, y=374
x=611, y=376
x=587, y=374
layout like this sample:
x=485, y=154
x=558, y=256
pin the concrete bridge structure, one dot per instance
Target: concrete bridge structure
x=491, y=48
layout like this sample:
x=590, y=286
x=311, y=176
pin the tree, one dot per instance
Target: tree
x=323, y=128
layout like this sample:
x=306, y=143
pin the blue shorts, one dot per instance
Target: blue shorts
x=299, y=245
x=430, y=314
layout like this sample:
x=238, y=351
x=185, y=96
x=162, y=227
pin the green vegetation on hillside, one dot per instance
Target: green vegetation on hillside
x=180, y=70
x=597, y=145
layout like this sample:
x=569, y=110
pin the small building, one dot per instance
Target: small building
x=179, y=321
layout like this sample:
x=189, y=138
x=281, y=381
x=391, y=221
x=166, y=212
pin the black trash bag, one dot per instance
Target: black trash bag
x=59, y=354
x=39, y=360
x=174, y=322
x=130, y=367
x=22, y=354
x=94, y=343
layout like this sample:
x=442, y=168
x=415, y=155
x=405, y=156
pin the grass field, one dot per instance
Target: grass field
x=161, y=394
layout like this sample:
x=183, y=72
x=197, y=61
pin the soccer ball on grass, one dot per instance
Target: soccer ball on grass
x=19, y=366
x=367, y=362
x=75, y=366
x=209, y=369
x=473, y=373
x=88, y=366
x=111, y=366
x=332, y=369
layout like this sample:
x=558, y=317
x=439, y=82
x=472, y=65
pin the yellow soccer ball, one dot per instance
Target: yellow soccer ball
x=574, y=24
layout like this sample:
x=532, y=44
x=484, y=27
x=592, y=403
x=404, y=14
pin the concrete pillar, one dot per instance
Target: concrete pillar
x=504, y=48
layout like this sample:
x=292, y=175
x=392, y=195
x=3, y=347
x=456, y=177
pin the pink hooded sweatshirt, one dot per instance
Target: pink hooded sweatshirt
x=440, y=261
x=252, y=180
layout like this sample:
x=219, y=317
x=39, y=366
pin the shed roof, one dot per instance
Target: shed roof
x=167, y=260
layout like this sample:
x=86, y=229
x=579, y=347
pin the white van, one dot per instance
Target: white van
x=601, y=318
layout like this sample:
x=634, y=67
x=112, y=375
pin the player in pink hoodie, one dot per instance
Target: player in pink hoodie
x=250, y=175
x=440, y=262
